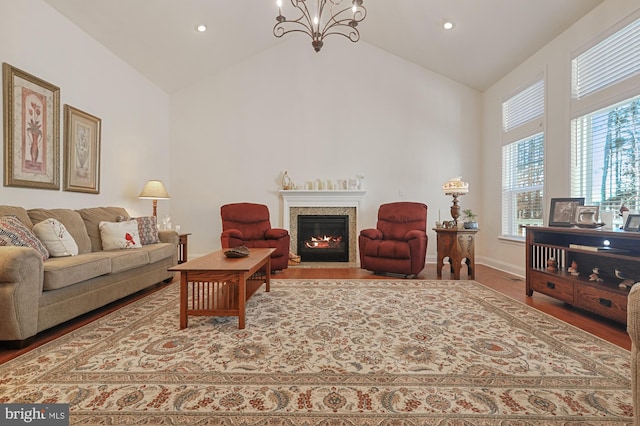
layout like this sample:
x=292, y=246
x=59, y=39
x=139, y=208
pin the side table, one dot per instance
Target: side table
x=457, y=245
x=183, y=247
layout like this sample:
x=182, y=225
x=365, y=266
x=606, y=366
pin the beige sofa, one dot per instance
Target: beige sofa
x=36, y=295
x=633, y=328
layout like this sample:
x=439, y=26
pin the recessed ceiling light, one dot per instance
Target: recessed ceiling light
x=447, y=25
x=201, y=28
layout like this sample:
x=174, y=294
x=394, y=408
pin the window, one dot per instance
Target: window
x=606, y=156
x=522, y=183
x=523, y=160
x=605, y=150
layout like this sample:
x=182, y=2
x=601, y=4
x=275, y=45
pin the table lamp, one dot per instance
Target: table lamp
x=455, y=187
x=154, y=190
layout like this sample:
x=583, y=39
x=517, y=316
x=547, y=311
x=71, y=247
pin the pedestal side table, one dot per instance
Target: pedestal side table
x=457, y=245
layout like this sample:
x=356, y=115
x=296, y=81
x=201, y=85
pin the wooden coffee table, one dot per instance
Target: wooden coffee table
x=215, y=285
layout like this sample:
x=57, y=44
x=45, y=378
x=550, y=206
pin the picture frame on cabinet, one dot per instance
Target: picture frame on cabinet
x=632, y=223
x=562, y=211
x=587, y=216
x=32, y=130
x=81, y=151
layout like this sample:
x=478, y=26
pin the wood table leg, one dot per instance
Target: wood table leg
x=242, y=298
x=456, y=264
x=268, y=274
x=184, y=293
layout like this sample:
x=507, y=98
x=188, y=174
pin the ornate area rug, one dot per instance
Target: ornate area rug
x=350, y=352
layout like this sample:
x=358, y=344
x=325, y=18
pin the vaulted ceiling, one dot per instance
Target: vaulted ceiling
x=489, y=39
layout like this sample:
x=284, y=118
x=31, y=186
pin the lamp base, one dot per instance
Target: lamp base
x=455, y=208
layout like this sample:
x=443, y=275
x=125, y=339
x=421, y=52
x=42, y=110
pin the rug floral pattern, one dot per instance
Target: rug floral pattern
x=331, y=352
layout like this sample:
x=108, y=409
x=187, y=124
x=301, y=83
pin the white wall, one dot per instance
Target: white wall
x=350, y=109
x=135, y=113
x=555, y=60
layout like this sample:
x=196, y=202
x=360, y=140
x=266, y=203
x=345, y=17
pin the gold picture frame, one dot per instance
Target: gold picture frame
x=81, y=151
x=31, y=130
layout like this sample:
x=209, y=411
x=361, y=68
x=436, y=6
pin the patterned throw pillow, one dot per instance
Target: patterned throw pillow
x=119, y=235
x=147, y=228
x=14, y=233
x=56, y=238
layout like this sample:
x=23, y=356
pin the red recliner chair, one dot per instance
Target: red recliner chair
x=247, y=224
x=398, y=245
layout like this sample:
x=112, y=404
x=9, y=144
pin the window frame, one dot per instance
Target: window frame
x=527, y=130
x=608, y=96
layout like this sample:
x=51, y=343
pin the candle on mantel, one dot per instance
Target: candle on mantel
x=439, y=216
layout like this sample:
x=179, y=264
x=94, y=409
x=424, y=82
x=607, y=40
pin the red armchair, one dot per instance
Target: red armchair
x=247, y=224
x=398, y=244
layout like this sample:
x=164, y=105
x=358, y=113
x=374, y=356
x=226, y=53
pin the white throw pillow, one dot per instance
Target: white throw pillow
x=119, y=235
x=56, y=238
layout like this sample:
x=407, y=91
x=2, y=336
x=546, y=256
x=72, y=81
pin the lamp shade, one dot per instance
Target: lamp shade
x=154, y=190
x=455, y=185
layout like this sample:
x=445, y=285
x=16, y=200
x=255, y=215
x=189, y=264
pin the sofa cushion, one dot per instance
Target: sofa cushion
x=15, y=233
x=123, y=260
x=20, y=212
x=71, y=220
x=119, y=235
x=159, y=251
x=92, y=218
x=55, y=238
x=64, y=271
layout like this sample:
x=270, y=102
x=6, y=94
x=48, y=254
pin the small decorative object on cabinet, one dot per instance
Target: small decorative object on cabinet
x=605, y=253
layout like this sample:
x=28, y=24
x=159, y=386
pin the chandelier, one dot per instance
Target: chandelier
x=329, y=17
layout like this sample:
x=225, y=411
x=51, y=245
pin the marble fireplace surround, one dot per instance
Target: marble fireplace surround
x=309, y=202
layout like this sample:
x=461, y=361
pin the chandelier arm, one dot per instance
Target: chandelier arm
x=332, y=21
x=358, y=16
x=305, y=12
x=353, y=35
x=337, y=23
x=279, y=29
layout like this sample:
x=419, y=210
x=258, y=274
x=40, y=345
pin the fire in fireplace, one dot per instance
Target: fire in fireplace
x=323, y=238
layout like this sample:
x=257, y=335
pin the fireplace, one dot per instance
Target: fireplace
x=319, y=203
x=323, y=238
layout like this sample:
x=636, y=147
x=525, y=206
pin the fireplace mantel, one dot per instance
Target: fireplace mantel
x=311, y=198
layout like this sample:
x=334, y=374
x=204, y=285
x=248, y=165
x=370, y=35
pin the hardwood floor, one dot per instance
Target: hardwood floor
x=502, y=282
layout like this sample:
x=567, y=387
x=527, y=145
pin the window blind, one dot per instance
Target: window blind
x=614, y=59
x=524, y=107
x=522, y=185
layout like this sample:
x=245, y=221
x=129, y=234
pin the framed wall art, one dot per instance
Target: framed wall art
x=81, y=151
x=31, y=130
x=563, y=211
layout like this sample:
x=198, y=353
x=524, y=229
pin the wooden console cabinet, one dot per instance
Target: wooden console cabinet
x=604, y=297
